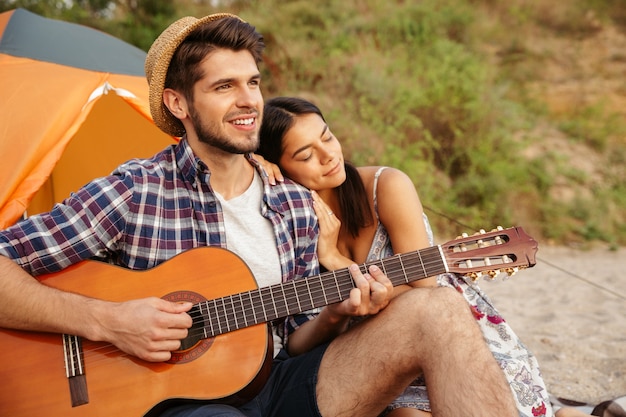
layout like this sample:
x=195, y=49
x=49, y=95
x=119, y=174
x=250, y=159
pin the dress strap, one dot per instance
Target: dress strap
x=380, y=170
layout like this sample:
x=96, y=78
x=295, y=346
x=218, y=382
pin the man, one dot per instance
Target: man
x=205, y=86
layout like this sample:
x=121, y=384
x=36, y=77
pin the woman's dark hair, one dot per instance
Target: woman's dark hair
x=279, y=115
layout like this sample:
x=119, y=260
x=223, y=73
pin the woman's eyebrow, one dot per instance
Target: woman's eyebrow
x=297, y=151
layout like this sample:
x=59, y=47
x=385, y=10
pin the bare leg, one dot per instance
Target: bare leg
x=570, y=412
x=425, y=330
x=408, y=412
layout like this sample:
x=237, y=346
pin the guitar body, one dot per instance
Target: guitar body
x=227, y=367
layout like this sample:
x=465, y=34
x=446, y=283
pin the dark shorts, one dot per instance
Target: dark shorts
x=289, y=391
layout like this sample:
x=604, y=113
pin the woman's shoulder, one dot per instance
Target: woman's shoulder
x=387, y=176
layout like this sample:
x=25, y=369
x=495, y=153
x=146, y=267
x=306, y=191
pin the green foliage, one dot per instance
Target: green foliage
x=593, y=125
x=414, y=85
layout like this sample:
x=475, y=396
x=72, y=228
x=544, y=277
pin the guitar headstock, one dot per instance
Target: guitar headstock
x=490, y=253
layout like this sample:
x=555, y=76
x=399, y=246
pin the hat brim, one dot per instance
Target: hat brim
x=158, y=62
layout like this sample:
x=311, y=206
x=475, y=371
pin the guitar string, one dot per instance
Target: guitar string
x=318, y=295
x=539, y=258
x=405, y=265
x=230, y=320
x=107, y=351
x=274, y=310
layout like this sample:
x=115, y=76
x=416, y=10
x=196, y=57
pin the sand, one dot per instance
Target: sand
x=570, y=310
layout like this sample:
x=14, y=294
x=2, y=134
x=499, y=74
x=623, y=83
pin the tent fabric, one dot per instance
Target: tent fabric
x=32, y=36
x=74, y=105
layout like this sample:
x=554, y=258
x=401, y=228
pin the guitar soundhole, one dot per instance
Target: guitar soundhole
x=195, y=344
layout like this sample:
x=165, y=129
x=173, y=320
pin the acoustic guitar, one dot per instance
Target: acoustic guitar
x=227, y=354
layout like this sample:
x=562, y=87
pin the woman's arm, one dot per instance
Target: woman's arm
x=400, y=211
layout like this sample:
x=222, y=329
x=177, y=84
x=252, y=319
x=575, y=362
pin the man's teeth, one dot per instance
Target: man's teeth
x=244, y=121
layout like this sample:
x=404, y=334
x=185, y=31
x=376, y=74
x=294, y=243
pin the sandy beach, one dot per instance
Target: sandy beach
x=570, y=310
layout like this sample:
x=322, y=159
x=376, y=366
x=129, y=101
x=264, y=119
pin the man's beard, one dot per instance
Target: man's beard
x=212, y=136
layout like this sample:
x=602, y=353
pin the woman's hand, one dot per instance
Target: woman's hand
x=327, y=250
x=273, y=171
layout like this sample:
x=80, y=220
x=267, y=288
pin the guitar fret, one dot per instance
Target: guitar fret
x=337, y=285
x=254, y=306
x=243, y=311
x=278, y=309
x=330, y=288
x=399, y=259
x=261, y=304
x=315, y=287
x=222, y=320
x=271, y=302
x=234, y=313
x=442, y=257
x=299, y=286
x=225, y=314
x=291, y=298
x=293, y=283
x=217, y=317
x=205, y=319
x=254, y=318
x=308, y=288
x=285, y=311
x=324, y=294
x=383, y=266
x=266, y=300
x=419, y=255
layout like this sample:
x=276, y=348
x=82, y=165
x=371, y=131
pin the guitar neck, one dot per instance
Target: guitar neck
x=265, y=304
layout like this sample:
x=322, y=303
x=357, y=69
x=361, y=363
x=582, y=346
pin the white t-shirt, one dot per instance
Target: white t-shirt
x=252, y=237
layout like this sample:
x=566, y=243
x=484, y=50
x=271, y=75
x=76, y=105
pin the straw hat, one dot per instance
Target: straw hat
x=158, y=62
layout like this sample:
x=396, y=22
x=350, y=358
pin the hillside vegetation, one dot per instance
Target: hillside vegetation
x=503, y=113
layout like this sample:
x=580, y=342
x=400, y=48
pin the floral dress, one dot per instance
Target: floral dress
x=518, y=364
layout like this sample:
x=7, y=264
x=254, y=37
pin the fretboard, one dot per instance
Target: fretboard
x=236, y=311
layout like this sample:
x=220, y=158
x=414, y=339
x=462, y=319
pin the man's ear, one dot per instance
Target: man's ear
x=175, y=103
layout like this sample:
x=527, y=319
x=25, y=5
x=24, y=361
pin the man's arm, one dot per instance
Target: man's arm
x=149, y=328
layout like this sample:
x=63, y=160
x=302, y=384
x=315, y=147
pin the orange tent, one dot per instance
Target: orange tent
x=74, y=105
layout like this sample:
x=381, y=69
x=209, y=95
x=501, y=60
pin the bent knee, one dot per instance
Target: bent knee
x=434, y=303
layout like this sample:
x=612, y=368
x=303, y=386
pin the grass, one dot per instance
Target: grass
x=415, y=86
x=453, y=92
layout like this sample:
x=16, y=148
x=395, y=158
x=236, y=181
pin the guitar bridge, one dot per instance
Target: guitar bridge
x=75, y=370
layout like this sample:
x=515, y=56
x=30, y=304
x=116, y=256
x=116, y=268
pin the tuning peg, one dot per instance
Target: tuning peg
x=509, y=271
x=473, y=276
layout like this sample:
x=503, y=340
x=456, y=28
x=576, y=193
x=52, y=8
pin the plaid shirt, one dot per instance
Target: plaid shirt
x=147, y=211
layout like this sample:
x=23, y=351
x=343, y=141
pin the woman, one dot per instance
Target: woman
x=369, y=213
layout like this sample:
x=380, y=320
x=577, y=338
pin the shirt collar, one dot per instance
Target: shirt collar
x=190, y=166
x=188, y=163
